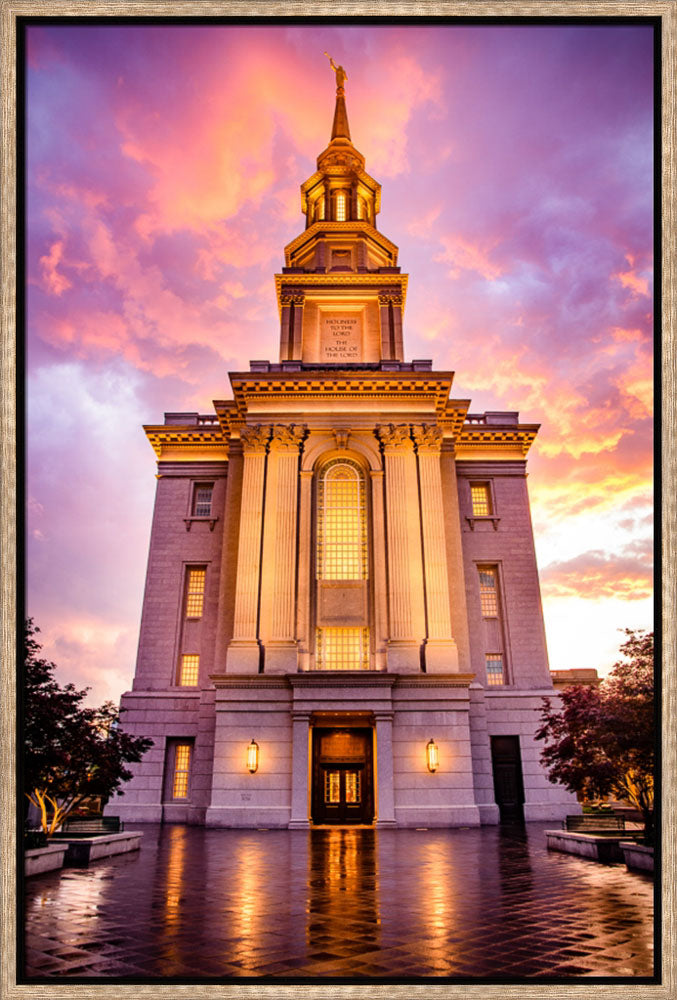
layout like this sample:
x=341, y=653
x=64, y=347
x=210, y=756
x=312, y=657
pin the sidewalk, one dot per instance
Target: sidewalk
x=355, y=903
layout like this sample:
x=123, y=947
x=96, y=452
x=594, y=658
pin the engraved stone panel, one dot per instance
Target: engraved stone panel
x=342, y=604
x=340, y=336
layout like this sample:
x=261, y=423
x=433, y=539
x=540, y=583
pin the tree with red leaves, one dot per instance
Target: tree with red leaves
x=601, y=741
x=71, y=751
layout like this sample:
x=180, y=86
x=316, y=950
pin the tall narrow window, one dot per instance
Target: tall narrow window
x=494, y=663
x=343, y=648
x=340, y=207
x=190, y=670
x=319, y=210
x=202, y=500
x=488, y=592
x=195, y=592
x=481, y=499
x=342, y=523
x=360, y=208
x=182, y=757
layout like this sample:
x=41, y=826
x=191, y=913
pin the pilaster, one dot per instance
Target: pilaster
x=278, y=601
x=300, y=771
x=305, y=570
x=243, y=652
x=384, y=769
x=441, y=654
x=379, y=571
x=406, y=629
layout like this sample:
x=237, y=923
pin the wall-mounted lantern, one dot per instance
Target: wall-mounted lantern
x=433, y=756
x=253, y=757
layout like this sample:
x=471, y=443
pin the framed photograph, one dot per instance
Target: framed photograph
x=343, y=359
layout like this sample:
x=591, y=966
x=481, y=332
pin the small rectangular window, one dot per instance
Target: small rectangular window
x=481, y=499
x=181, y=770
x=488, y=592
x=494, y=669
x=195, y=592
x=340, y=208
x=343, y=649
x=202, y=500
x=190, y=670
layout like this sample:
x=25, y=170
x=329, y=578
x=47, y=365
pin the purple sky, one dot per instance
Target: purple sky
x=164, y=165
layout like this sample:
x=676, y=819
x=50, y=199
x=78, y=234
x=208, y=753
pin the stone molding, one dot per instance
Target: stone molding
x=255, y=438
x=436, y=680
x=341, y=435
x=427, y=437
x=288, y=437
x=344, y=678
x=250, y=681
x=392, y=435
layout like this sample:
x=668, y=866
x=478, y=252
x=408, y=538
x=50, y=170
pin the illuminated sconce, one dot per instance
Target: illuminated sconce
x=433, y=756
x=253, y=757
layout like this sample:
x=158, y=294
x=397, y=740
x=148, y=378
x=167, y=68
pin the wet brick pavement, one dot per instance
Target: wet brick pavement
x=355, y=903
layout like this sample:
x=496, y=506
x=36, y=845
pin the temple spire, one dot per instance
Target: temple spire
x=340, y=128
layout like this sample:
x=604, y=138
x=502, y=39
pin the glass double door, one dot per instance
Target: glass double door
x=342, y=788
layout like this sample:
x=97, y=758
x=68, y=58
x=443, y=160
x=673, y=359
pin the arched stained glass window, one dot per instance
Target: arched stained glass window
x=342, y=523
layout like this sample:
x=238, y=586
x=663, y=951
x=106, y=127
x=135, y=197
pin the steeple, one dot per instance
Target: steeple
x=340, y=128
x=341, y=292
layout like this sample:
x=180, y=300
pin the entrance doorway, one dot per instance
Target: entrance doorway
x=343, y=784
x=508, y=785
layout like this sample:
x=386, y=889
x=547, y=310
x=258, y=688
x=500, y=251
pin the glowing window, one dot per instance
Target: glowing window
x=202, y=500
x=340, y=207
x=342, y=523
x=181, y=770
x=190, y=670
x=494, y=669
x=360, y=208
x=332, y=787
x=195, y=592
x=481, y=499
x=343, y=649
x=353, y=790
x=488, y=592
x=319, y=209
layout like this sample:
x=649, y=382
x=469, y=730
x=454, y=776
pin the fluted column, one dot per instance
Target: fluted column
x=380, y=579
x=384, y=313
x=398, y=344
x=299, y=772
x=243, y=652
x=296, y=326
x=384, y=769
x=305, y=571
x=287, y=302
x=441, y=653
x=405, y=580
x=278, y=600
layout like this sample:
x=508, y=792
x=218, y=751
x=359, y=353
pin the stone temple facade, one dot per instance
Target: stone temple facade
x=342, y=619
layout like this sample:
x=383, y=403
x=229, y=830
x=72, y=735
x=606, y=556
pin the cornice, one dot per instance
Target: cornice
x=347, y=385
x=522, y=437
x=359, y=280
x=353, y=226
x=434, y=680
x=209, y=438
x=341, y=679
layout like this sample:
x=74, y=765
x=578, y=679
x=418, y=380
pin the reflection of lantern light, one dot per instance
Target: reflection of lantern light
x=253, y=756
x=433, y=756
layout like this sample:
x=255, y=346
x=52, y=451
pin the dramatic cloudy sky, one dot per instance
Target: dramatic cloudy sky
x=163, y=171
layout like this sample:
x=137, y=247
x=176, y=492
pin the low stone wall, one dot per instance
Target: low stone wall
x=44, y=859
x=82, y=850
x=638, y=857
x=597, y=847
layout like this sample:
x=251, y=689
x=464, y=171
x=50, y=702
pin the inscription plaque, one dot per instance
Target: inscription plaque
x=340, y=336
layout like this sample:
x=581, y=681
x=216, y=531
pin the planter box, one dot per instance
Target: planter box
x=44, y=859
x=82, y=850
x=597, y=847
x=638, y=857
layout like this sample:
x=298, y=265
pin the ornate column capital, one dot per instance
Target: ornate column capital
x=384, y=298
x=255, y=439
x=287, y=437
x=295, y=295
x=393, y=435
x=427, y=437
